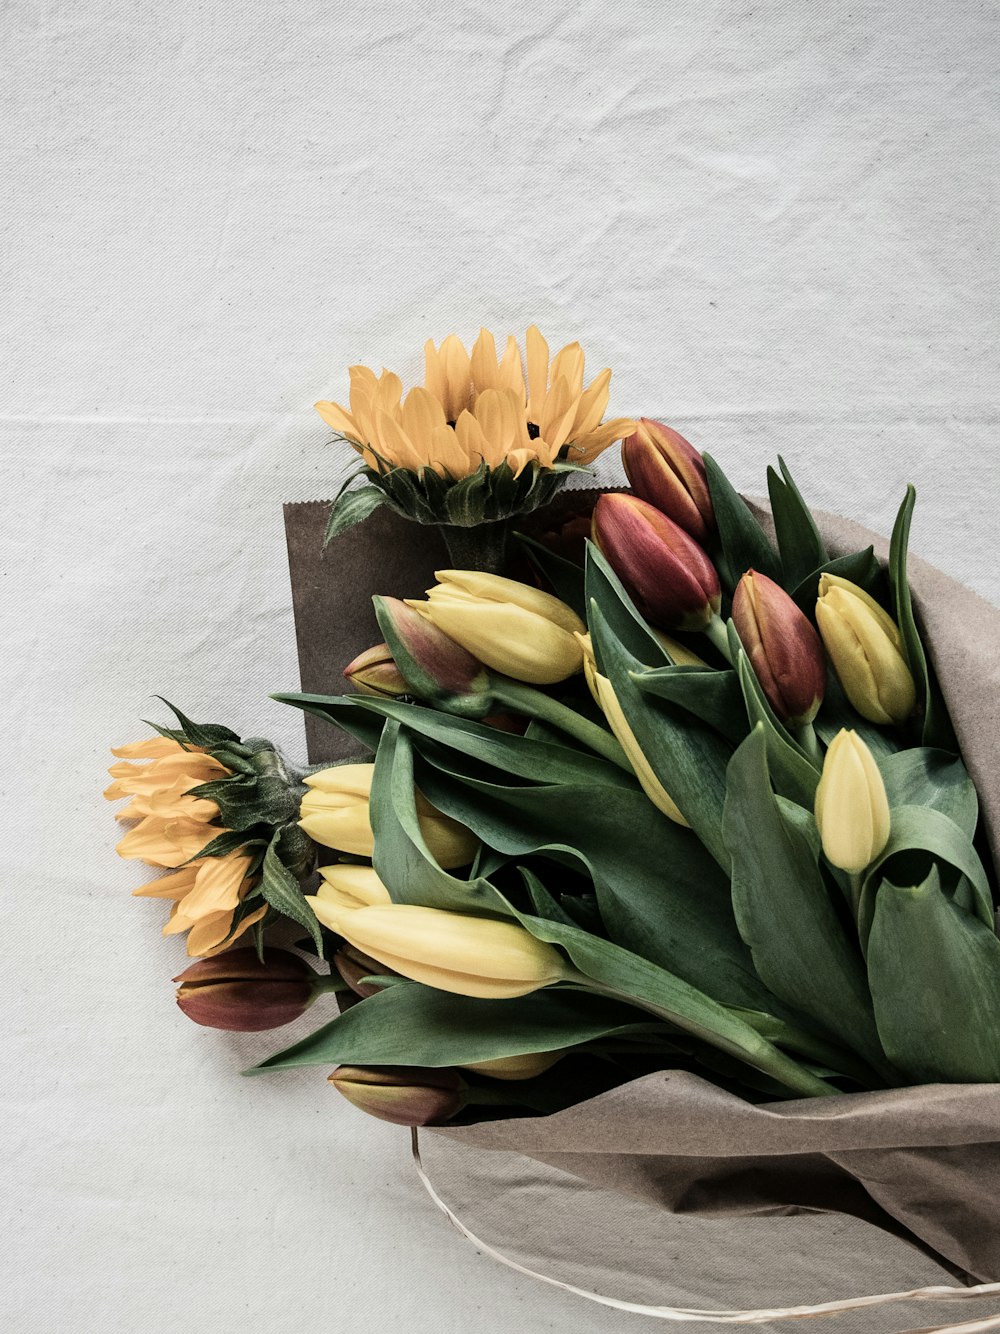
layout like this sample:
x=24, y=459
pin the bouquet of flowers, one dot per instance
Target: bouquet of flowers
x=651, y=797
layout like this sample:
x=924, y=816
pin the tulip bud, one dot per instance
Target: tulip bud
x=374, y=672
x=607, y=701
x=335, y=813
x=471, y=956
x=435, y=667
x=515, y=629
x=668, y=473
x=346, y=885
x=852, y=809
x=866, y=649
x=672, y=581
x=236, y=992
x=528, y=1066
x=404, y=1095
x=352, y=966
x=783, y=648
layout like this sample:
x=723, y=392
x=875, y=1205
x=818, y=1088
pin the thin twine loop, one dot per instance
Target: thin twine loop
x=759, y=1317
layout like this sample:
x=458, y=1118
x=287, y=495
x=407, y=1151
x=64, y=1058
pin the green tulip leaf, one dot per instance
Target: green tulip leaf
x=713, y=696
x=928, y=777
x=606, y=590
x=744, y=542
x=936, y=729
x=924, y=830
x=934, y=972
x=564, y=577
x=680, y=917
x=662, y=993
x=861, y=567
x=799, y=542
x=341, y=711
x=687, y=755
x=837, y=712
x=519, y=756
x=410, y=1024
x=800, y=946
x=402, y=859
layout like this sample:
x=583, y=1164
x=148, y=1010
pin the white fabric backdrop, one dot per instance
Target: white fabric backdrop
x=776, y=222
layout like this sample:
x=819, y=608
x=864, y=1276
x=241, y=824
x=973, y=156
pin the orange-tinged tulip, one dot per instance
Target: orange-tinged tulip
x=434, y=666
x=515, y=629
x=374, y=672
x=783, y=647
x=672, y=581
x=663, y=469
x=402, y=1094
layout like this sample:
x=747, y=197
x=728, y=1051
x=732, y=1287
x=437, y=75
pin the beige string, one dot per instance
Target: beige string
x=730, y=1317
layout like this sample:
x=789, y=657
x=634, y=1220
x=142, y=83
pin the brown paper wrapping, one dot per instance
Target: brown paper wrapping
x=920, y=1163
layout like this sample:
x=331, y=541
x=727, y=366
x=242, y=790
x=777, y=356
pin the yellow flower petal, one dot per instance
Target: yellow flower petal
x=172, y=886
x=153, y=748
x=458, y=377
x=568, y=363
x=538, y=373
x=592, y=405
x=339, y=420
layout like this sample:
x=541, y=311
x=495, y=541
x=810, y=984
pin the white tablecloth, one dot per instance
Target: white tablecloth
x=776, y=222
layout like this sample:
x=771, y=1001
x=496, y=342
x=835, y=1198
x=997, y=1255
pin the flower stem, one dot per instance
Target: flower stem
x=808, y=740
x=536, y=704
x=716, y=631
x=482, y=547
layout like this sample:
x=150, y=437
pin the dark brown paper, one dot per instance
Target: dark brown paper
x=929, y=1157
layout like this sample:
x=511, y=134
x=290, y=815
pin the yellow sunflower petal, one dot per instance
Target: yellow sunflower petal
x=449, y=454
x=339, y=419
x=217, y=886
x=538, y=373
x=153, y=748
x=485, y=371
x=395, y=445
x=518, y=459
x=173, y=886
x=569, y=363
x=560, y=409
x=587, y=447
x=510, y=375
x=476, y=444
x=422, y=415
x=592, y=406
x=458, y=374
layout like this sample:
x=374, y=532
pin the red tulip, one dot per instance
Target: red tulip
x=672, y=581
x=783, y=647
x=663, y=469
x=236, y=992
x=435, y=667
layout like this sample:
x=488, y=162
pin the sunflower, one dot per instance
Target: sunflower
x=173, y=828
x=483, y=439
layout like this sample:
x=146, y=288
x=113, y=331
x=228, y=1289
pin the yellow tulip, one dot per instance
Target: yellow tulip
x=335, y=813
x=852, y=809
x=471, y=956
x=529, y=1065
x=866, y=649
x=520, y=631
x=607, y=701
x=348, y=886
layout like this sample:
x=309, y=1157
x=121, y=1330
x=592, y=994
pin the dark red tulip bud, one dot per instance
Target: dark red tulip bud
x=236, y=992
x=404, y=1095
x=672, y=581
